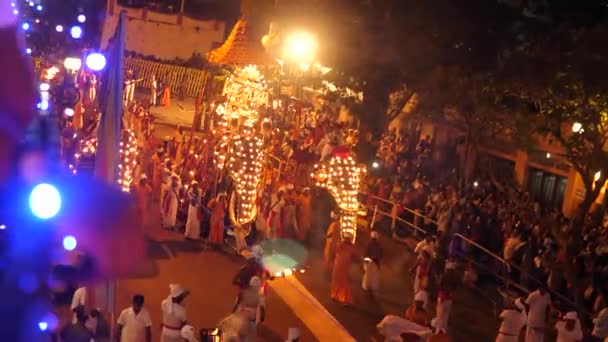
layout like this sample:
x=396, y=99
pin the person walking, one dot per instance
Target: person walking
x=340, y=279
x=193, y=223
x=332, y=238
x=170, y=203
x=153, y=91
x=513, y=320
x=143, y=196
x=218, y=208
x=569, y=329
x=539, y=302
x=134, y=323
x=174, y=314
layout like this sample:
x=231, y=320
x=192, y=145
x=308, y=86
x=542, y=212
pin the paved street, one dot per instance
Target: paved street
x=208, y=274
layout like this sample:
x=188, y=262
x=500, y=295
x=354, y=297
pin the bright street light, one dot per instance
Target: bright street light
x=301, y=47
x=576, y=127
x=72, y=63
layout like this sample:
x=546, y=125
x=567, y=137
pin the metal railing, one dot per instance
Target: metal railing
x=389, y=209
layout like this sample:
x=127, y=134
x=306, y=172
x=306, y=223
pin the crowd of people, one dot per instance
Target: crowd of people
x=458, y=225
x=492, y=217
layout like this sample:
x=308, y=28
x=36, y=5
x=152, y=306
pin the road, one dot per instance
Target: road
x=208, y=275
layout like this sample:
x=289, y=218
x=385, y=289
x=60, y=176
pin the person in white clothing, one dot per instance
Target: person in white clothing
x=170, y=203
x=513, y=320
x=371, y=276
x=79, y=298
x=153, y=90
x=539, y=302
x=193, y=223
x=569, y=330
x=600, y=325
x=134, y=323
x=174, y=314
x=92, y=88
x=442, y=311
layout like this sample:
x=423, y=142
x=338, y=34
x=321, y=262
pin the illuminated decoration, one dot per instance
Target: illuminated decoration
x=128, y=157
x=241, y=156
x=72, y=63
x=342, y=178
x=351, y=137
x=246, y=92
x=244, y=166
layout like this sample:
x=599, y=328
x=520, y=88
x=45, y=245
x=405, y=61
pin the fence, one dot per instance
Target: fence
x=174, y=74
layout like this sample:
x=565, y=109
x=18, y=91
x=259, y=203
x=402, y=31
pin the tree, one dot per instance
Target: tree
x=392, y=48
x=561, y=77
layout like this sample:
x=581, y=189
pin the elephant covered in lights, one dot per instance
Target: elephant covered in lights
x=242, y=156
x=342, y=178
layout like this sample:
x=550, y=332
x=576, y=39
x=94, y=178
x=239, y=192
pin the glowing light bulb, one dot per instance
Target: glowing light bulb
x=69, y=243
x=45, y=201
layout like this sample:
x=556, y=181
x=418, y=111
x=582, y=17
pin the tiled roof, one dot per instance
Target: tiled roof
x=240, y=48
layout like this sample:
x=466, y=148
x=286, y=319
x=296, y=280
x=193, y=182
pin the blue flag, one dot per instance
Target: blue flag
x=111, y=106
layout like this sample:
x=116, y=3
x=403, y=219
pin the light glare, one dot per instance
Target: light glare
x=96, y=61
x=59, y=28
x=69, y=243
x=76, y=32
x=43, y=326
x=45, y=201
x=82, y=18
x=68, y=112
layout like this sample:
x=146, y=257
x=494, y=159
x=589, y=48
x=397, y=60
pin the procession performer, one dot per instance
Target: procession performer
x=143, y=195
x=157, y=172
x=569, y=330
x=539, y=302
x=513, y=320
x=275, y=215
x=218, y=207
x=174, y=314
x=251, y=301
x=340, y=279
x=421, y=272
x=153, y=90
x=442, y=311
x=170, y=203
x=92, y=89
x=290, y=221
x=166, y=100
x=193, y=223
x=332, y=238
x=304, y=214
